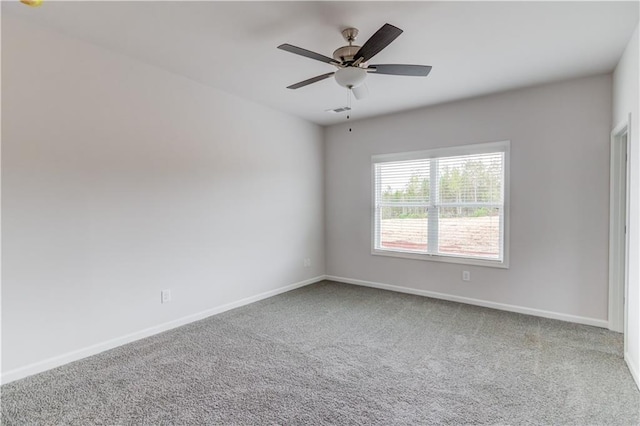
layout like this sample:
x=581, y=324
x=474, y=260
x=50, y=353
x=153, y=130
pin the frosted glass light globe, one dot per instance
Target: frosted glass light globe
x=350, y=77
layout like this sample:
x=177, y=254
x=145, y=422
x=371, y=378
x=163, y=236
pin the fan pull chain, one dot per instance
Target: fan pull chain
x=349, y=104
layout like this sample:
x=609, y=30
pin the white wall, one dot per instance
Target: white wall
x=121, y=179
x=625, y=101
x=559, y=137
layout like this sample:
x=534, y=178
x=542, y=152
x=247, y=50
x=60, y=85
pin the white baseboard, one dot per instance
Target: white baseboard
x=632, y=368
x=66, y=358
x=476, y=302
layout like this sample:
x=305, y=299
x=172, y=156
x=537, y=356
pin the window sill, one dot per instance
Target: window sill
x=440, y=258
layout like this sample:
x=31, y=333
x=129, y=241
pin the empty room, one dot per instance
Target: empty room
x=300, y=212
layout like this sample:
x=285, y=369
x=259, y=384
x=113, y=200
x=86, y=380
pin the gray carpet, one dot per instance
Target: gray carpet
x=333, y=353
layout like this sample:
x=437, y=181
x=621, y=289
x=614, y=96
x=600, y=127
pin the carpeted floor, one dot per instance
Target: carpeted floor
x=333, y=353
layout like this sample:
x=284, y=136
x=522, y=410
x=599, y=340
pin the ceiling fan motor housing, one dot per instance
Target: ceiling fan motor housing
x=345, y=54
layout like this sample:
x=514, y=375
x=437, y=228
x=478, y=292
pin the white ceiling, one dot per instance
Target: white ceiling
x=475, y=48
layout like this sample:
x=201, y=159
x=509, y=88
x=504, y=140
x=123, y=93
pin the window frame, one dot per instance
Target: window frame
x=478, y=148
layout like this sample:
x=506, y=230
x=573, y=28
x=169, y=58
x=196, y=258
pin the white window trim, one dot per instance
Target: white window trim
x=479, y=148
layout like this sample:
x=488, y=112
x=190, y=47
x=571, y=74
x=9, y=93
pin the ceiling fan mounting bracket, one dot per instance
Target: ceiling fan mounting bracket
x=350, y=34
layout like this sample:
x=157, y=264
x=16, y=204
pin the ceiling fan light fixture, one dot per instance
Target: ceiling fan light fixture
x=350, y=77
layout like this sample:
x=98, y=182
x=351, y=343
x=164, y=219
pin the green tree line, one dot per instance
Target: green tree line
x=472, y=182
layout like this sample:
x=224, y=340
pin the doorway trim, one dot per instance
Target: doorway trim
x=618, y=228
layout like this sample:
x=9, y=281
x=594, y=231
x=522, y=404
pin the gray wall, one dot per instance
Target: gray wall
x=120, y=179
x=559, y=137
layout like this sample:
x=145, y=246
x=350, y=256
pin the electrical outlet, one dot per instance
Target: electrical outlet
x=165, y=296
x=466, y=276
x=307, y=263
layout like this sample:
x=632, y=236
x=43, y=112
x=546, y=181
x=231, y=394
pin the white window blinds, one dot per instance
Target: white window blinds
x=445, y=202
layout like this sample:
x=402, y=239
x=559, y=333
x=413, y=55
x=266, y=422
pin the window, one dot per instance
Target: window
x=446, y=204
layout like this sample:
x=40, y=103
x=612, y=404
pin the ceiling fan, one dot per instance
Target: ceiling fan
x=352, y=61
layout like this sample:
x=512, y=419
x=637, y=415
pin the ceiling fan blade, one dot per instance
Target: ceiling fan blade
x=311, y=80
x=360, y=92
x=307, y=53
x=399, y=69
x=381, y=39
